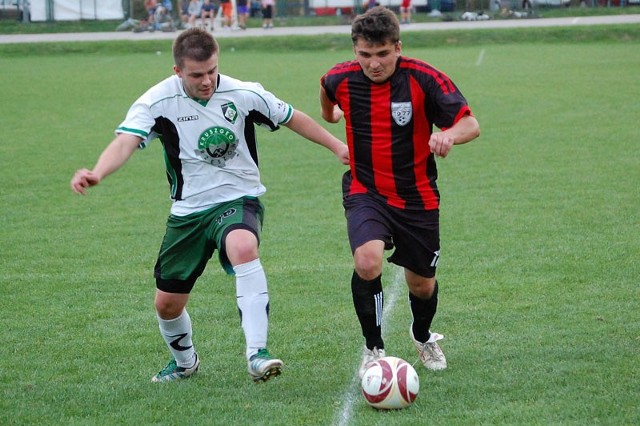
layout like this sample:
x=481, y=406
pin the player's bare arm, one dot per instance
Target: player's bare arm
x=465, y=130
x=308, y=128
x=112, y=158
x=330, y=113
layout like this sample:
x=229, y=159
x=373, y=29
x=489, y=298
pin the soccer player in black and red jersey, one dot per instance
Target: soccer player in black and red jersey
x=391, y=104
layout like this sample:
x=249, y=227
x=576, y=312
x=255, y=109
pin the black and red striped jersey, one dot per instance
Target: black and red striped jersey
x=388, y=127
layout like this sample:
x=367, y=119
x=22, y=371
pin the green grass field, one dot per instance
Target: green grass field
x=540, y=248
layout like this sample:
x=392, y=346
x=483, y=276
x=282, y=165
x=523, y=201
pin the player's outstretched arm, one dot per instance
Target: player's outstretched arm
x=310, y=129
x=112, y=158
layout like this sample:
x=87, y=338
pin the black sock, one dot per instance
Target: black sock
x=368, y=301
x=423, y=311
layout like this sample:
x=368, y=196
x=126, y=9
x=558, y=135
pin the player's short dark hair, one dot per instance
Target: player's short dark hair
x=195, y=44
x=377, y=25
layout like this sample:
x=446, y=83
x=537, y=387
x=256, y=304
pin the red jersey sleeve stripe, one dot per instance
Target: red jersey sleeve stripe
x=446, y=85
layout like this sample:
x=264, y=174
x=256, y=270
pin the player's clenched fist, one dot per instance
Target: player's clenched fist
x=440, y=144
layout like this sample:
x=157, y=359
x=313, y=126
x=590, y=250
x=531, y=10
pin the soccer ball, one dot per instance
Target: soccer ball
x=390, y=383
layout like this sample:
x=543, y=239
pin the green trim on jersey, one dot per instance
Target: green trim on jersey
x=289, y=115
x=142, y=133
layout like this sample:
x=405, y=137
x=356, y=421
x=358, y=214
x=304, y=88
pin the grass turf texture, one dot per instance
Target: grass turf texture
x=540, y=226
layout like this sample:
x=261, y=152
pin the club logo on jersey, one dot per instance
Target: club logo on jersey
x=230, y=112
x=401, y=112
x=216, y=145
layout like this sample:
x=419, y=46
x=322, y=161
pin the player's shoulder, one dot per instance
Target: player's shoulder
x=344, y=68
x=228, y=83
x=169, y=88
x=418, y=66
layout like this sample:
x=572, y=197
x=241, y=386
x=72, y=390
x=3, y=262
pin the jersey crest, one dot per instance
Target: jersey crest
x=230, y=112
x=216, y=145
x=401, y=112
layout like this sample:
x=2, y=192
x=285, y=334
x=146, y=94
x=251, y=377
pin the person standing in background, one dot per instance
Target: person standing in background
x=405, y=12
x=267, y=13
x=243, y=13
x=227, y=14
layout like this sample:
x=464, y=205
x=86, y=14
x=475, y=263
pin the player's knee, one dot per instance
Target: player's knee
x=422, y=287
x=241, y=246
x=367, y=265
x=168, y=307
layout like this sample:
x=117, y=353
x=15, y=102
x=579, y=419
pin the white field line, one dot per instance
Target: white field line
x=352, y=392
x=480, y=58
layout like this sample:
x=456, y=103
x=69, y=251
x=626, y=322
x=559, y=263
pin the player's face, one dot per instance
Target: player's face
x=199, y=78
x=378, y=61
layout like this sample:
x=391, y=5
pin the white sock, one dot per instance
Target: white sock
x=253, y=303
x=177, y=334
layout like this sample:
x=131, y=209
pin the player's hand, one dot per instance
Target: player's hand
x=83, y=179
x=343, y=154
x=440, y=144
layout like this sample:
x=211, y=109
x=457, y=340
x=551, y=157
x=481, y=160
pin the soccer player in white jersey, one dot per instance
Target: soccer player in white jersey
x=205, y=123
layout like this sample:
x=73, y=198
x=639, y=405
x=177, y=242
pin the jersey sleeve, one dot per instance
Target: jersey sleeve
x=268, y=110
x=448, y=103
x=138, y=122
x=325, y=83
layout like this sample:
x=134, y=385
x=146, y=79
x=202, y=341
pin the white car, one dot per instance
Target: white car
x=550, y=3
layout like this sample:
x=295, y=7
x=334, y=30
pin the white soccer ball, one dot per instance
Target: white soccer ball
x=390, y=383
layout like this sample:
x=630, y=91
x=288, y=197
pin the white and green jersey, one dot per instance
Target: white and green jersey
x=210, y=147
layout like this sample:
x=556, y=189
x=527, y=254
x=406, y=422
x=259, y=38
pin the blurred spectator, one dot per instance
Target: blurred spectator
x=372, y=3
x=151, y=6
x=162, y=19
x=243, y=13
x=405, y=12
x=255, y=9
x=267, y=14
x=227, y=13
x=184, y=12
x=208, y=11
x=168, y=5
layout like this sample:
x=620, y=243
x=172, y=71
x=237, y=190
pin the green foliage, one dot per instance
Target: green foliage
x=540, y=225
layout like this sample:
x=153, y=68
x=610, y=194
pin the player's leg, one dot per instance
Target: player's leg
x=417, y=241
x=366, y=290
x=183, y=255
x=368, y=299
x=369, y=236
x=239, y=230
x=423, y=301
x=175, y=327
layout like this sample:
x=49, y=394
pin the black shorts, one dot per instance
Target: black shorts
x=267, y=12
x=415, y=234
